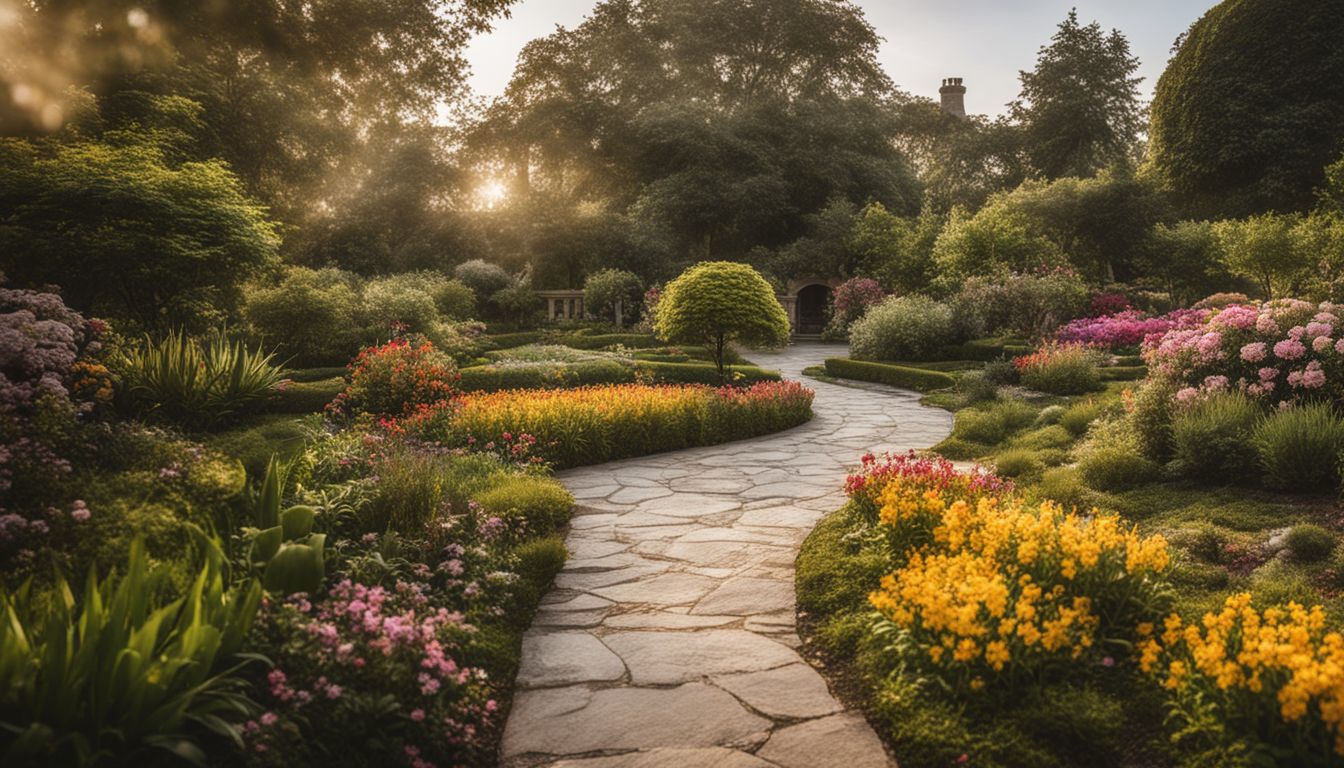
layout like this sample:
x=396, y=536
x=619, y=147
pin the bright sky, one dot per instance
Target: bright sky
x=985, y=42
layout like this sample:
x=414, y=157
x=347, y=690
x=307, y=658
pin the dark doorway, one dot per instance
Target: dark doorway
x=813, y=308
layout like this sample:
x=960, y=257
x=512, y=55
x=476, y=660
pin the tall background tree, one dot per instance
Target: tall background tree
x=1251, y=108
x=1079, y=108
x=711, y=127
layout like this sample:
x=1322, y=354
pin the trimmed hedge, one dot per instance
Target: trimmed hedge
x=632, y=340
x=918, y=379
x=509, y=340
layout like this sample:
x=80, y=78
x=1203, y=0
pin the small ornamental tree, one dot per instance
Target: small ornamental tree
x=602, y=290
x=716, y=303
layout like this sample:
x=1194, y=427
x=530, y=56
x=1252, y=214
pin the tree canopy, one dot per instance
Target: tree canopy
x=713, y=126
x=718, y=303
x=1079, y=108
x=1251, y=108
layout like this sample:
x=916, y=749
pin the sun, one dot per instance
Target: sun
x=491, y=193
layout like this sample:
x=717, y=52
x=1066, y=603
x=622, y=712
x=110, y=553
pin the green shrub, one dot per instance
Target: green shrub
x=483, y=278
x=1206, y=541
x=1078, y=418
x=602, y=341
x=1310, y=543
x=1017, y=462
x=1299, y=447
x=256, y=440
x=311, y=317
x=905, y=377
x=539, y=560
x=1063, y=485
x=126, y=674
x=993, y=425
x=1060, y=370
x=974, y=387
x=399, y=300
x=902, y=328
x=1051, y=414
x=1150, y=419
x=196, y=383
x=414, y=487
x=1211, y=438
x=1116, y=468
x=532, y=506
x=493, y=378
x=1045, y=438
x=454, y=299
x=1002, y=372
x=605, y=288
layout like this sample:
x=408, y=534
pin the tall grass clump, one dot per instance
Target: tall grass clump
x=1299, y=447
x=195, y=382
x=1212, y=437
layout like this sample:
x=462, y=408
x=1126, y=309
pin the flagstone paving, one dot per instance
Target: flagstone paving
x=669, y=637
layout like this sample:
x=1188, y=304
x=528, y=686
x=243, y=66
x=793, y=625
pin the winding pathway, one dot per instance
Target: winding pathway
x=668, y=639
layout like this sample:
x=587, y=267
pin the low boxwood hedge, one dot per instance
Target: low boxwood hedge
x=701, y=373
x=599, y=341
x=919, y=379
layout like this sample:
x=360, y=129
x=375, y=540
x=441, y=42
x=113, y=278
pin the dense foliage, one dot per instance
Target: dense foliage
x=1248, y=113
x=719, y=303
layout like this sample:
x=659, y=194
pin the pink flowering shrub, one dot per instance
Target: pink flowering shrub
x=1127, y=329
x=48, y=381
x=1280, y=351
x=370, y=671
x=850, y=300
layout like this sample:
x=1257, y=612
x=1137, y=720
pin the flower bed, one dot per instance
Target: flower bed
x=1278, y=673
x=590, y=425
x=1278, y=351
x=1127, y=329
x=988, y=590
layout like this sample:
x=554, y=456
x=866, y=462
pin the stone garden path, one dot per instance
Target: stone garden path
x=668, y=639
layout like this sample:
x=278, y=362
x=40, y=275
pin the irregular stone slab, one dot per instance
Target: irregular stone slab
x=667, y=589
x=635, y=494
x=591, y=579
x=575, y=720
x=575, y=602
x=665, y=620
x=743, y=596
x=795, y=692
x=714, y=757
x=570, y=619
x=839, y=741
x=783, y=517
x=563, y=658
x=660, y=658
x=691, y=504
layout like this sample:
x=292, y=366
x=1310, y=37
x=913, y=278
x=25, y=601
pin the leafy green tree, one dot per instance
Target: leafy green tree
x=1184, y=258
x=1079, y=108
x=1262, y=249
x=1099, y=224
x=604, y=289
x=713, y=126
x=1318, y=241
x=311, y=317
x=998, y=238
x=960, y=161
x=718, y=303
x=127, y=233
x=825, y=249
x=1251, y=107
x=899, y=251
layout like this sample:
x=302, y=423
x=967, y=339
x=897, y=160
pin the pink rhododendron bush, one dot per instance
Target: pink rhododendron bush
x=1280, y=351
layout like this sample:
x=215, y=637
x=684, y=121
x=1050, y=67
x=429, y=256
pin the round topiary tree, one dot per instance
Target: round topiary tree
x=604, y=288
x=1251, y=108
x=716, y=303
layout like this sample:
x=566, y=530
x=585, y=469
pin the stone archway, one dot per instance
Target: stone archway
x=814, y=304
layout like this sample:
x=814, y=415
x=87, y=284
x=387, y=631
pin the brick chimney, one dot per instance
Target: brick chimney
x=953, y=94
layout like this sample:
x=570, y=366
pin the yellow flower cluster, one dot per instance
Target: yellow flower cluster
x=992, y=585
x=1244, y=659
